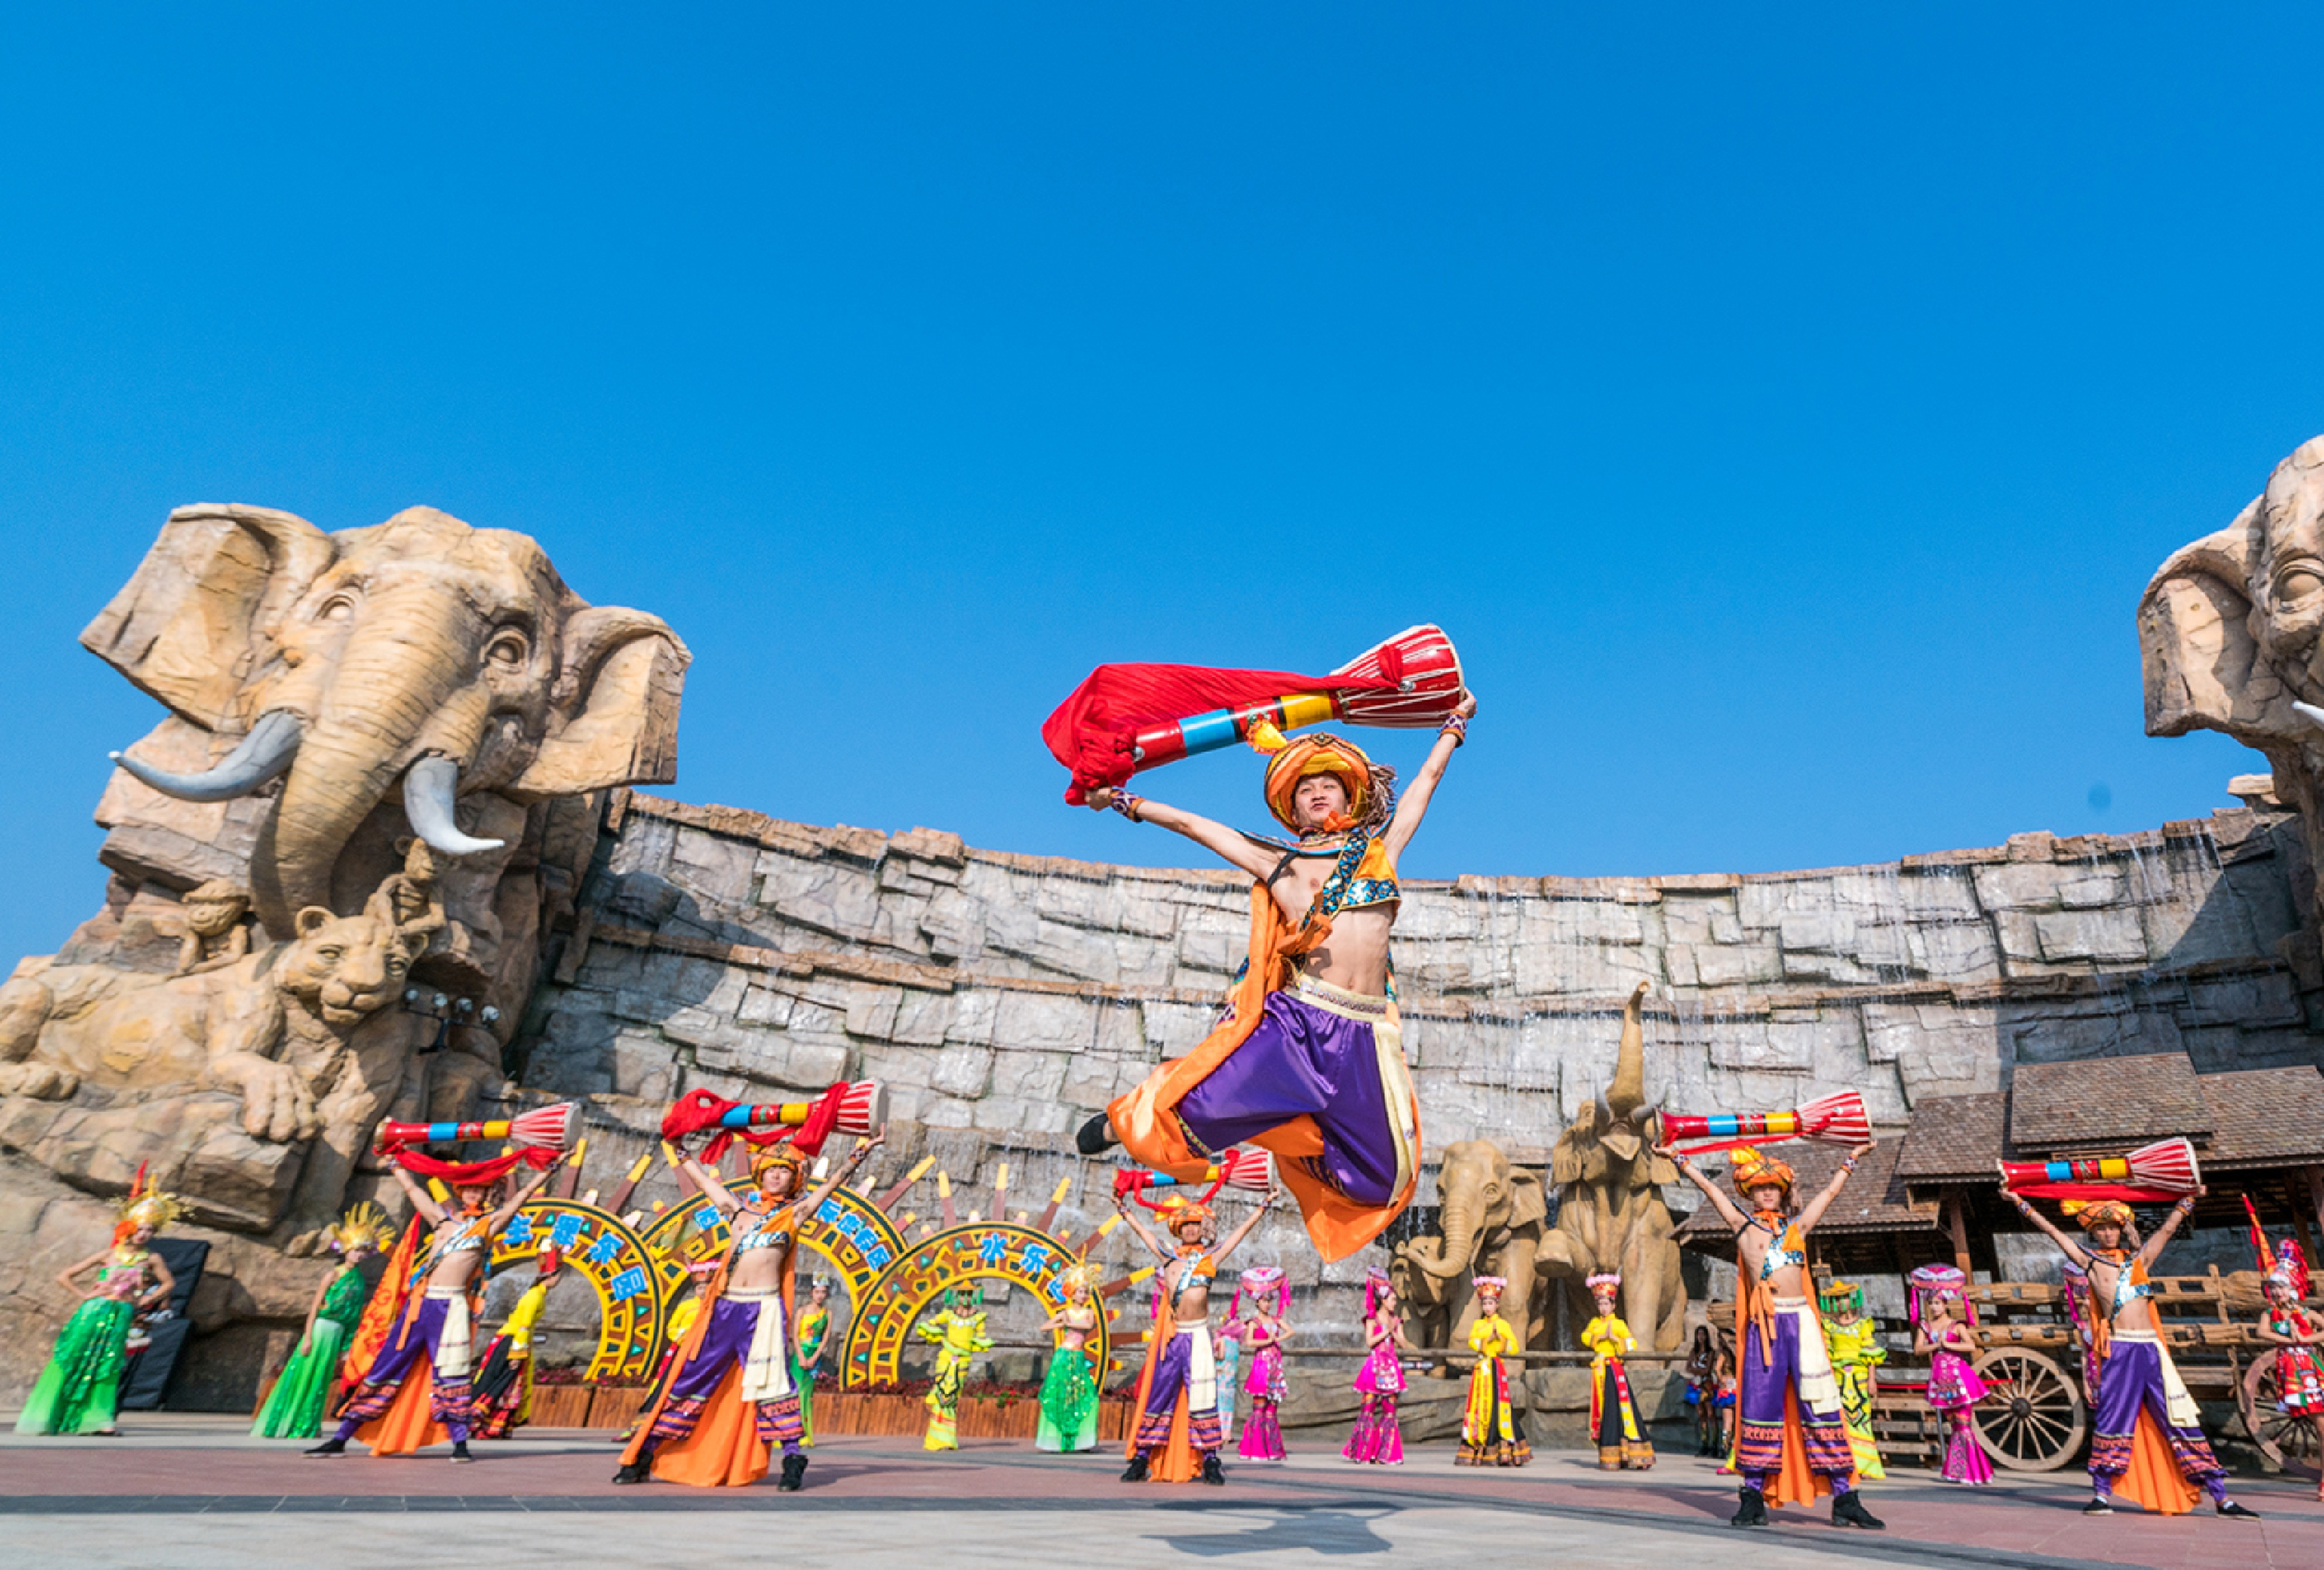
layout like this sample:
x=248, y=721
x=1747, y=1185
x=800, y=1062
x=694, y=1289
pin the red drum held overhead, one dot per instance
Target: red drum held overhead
x=548, y=1128
x=2165, y=1170
x=1836, y=1119
x=1420, y=661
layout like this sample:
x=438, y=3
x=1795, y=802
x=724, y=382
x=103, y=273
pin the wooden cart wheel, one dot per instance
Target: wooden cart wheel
x=2288, y=1441
x=2035, y=1420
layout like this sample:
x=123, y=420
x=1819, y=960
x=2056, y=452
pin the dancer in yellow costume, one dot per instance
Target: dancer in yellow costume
x=1614, y=1422
x=1490, y=1435
x=958, y=1331
x=1854, y=1341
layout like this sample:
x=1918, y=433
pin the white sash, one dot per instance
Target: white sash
x=1819, y=1388
x=1201, y=1368
x=767, y=1368
x=453, y=1351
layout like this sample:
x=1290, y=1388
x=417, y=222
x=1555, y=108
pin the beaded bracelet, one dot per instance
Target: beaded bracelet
x=1847, y=1166
x=1127, y=806
x=1456, y=726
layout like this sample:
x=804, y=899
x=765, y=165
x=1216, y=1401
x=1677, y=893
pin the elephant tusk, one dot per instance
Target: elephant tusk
x=428, y=788
x=2311, y=712
x=260, y=756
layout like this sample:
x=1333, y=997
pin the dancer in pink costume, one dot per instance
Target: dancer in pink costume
x=1262, y=1331
x=1944, y=1328
x=1379, y=1438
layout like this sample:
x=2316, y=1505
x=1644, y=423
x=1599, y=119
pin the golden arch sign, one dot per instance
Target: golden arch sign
x=633, y=1281
x=972, y=1250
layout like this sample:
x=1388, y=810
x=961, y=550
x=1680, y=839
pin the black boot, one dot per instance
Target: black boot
x=460, y=1451
x=794, y=1469
x=637, y=1471
x=1754, y=1512
x=1136, y=1470
x=1213, y=1473
x=2228, y=1507
x=1096, y=1136
x=2098, y=1507
x=334, y=1446
x=1847, y=1510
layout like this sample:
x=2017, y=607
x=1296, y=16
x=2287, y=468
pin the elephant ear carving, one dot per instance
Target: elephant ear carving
x=191, y=624
x=2203, y=667
x=1527, y=1202
x=613, y=718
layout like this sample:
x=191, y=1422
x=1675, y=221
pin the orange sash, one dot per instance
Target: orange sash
x=1177, y=1462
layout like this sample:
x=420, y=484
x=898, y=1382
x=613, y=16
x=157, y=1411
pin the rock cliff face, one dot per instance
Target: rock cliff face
x=1009, y=996
x=1004, y=998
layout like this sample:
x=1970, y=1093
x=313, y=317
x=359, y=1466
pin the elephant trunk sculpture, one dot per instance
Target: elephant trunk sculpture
x=399, y=687
x=1610, y=1213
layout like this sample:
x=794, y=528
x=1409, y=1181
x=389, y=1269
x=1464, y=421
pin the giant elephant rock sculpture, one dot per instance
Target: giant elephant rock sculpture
x=422, y=652
x=2231, y=636
x=1490, y=1215
x=1611, y=1213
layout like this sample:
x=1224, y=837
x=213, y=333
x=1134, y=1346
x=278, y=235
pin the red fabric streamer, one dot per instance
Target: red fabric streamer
x=2128, y=1193
x=1090, y=731
x=698, y=1109
x=460, y=1174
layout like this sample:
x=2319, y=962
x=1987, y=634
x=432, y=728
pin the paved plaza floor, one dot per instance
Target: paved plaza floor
x=198, y=1493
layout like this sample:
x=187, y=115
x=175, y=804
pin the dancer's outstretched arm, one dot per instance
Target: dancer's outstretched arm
x=1412, y=804
x=845, y=1170
x=507, y=1213
x=709, y=1184
x=1214, y=837
x=421, y=1199
x=1822, y=1202
x=2074, y=1251
x=1720, y=1202
x=2179, y=1213
x=1234, y=1238
x=1152, y=1244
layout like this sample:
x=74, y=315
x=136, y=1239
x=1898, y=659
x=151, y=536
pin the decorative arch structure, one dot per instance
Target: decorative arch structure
x=634, y=1282
x=970, y=1252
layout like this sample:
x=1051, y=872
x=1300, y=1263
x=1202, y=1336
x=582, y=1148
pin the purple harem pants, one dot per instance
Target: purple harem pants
x=2130, y=1381
x=725, y=1343
x=1175, y=1372
x=447, y=1398
x=1766, y=1381
x=1303, y=1060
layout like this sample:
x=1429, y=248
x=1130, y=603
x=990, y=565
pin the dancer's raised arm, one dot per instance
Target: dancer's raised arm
x=1412, y=804
x=845, y=1170
x=1720, y=1202
x=1822, y=1201
x=1227, y=844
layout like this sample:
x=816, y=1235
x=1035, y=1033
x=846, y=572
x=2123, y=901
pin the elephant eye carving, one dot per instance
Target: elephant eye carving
x=2300, y=582
x=507, y=651
x=337, y=607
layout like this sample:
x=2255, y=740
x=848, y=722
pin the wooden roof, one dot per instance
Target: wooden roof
x=2265, y=1118
x=2250, y=1119
x=1955, y=1138
x=2113, y=1102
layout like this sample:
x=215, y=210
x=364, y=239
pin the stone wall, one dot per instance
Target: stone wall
x=1005, y=998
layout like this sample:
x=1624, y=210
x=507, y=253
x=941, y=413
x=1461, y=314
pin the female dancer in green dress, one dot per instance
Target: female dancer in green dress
x=78, y=1391
x=294, y=1406
x=814, y=1330
x=1069, y=1394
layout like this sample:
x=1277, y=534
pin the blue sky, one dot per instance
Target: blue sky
x=1782, y=408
